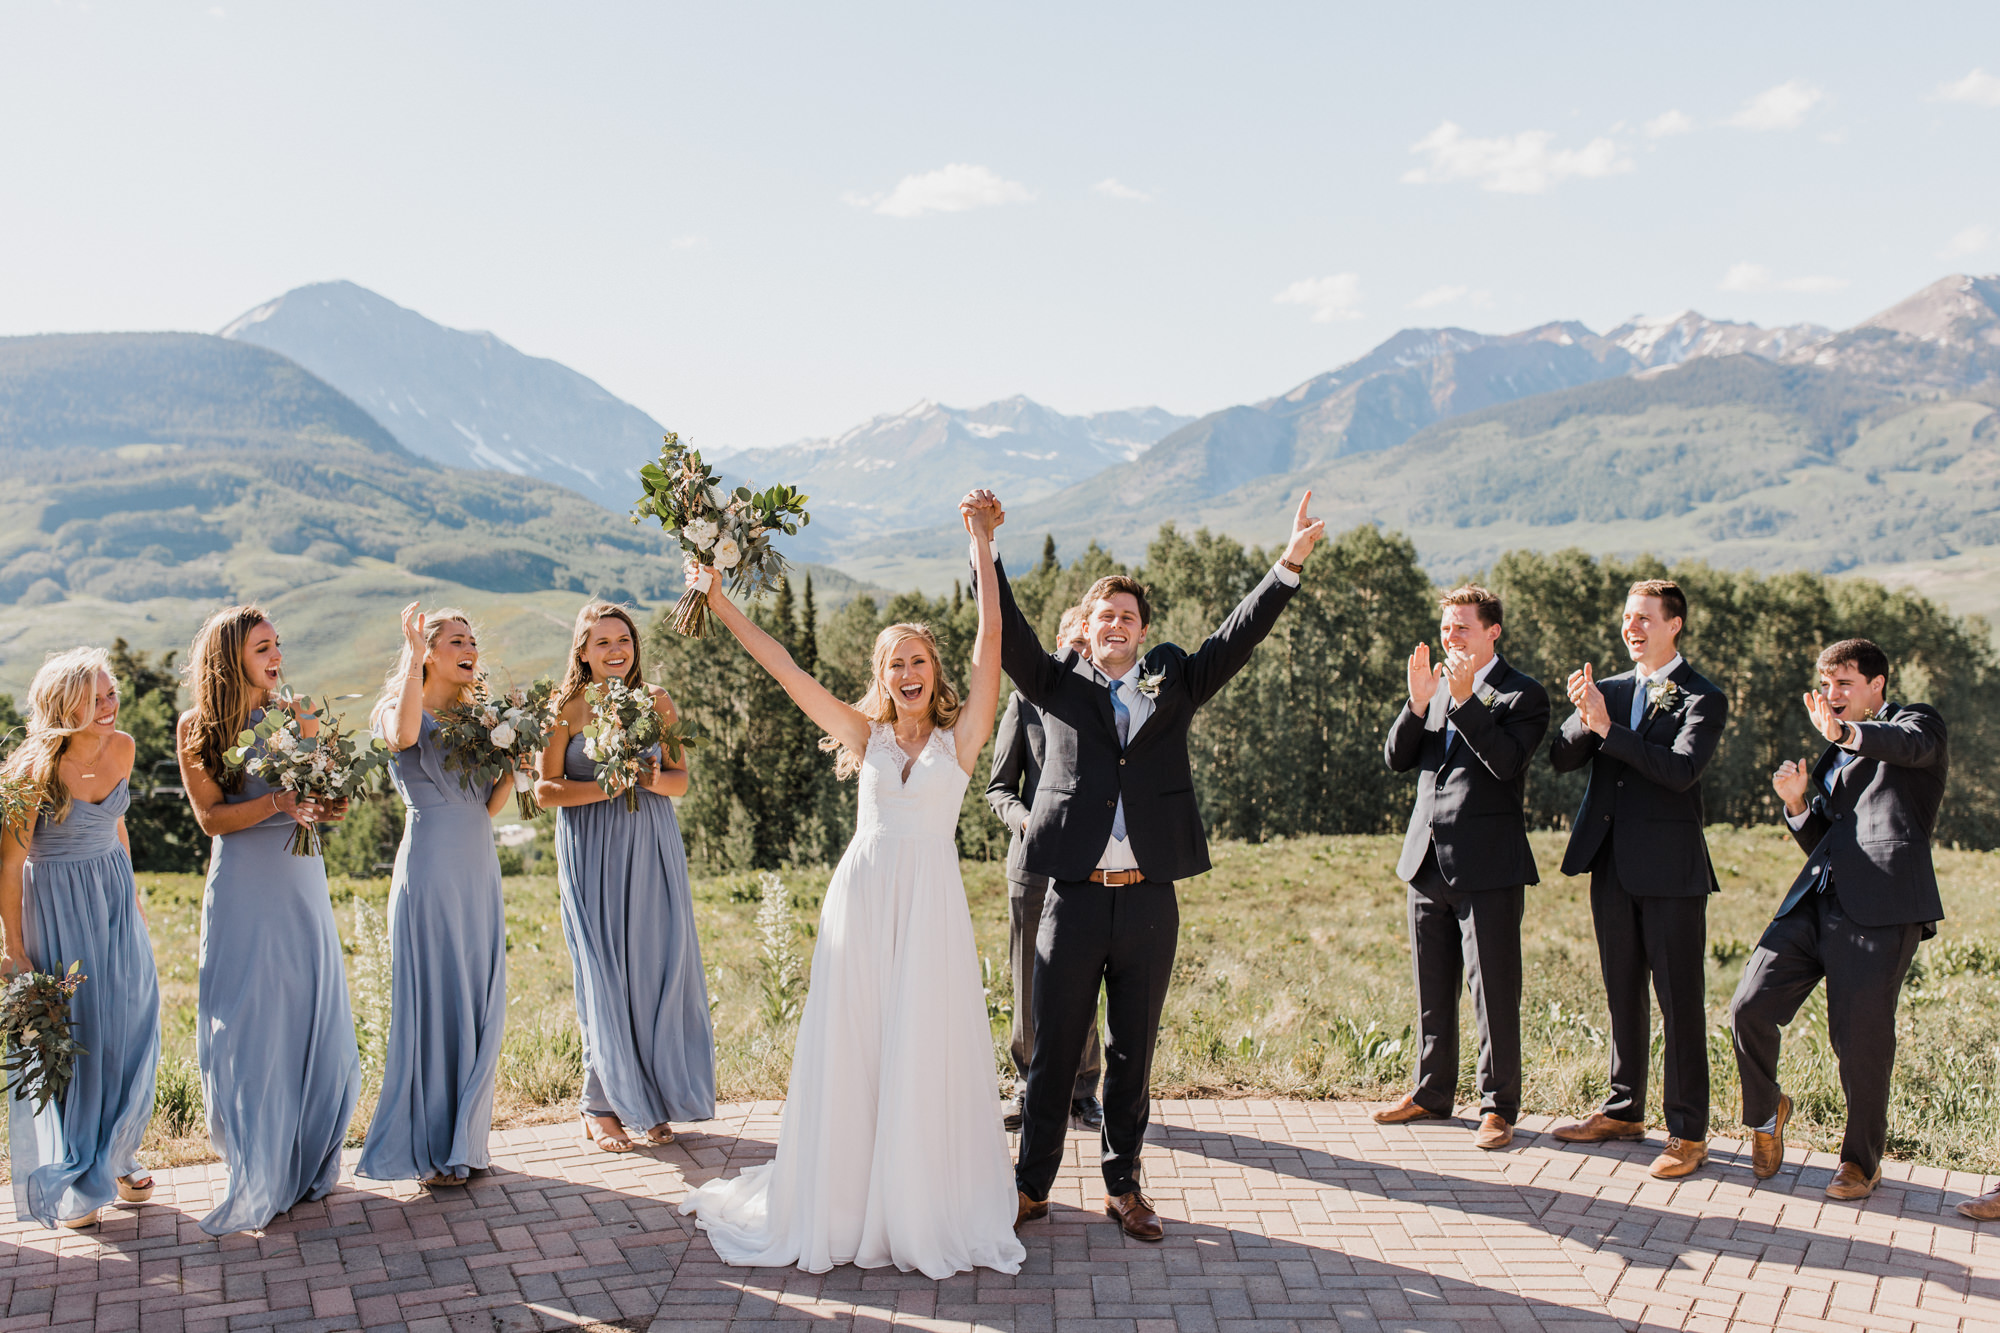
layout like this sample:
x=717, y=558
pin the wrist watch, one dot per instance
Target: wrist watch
x=1847, y=733
x=1296, y=569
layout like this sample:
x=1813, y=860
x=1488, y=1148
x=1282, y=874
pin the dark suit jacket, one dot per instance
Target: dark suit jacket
x=1646, y=784
x=1470, y=801
x=1871, y=822
x=1084, y=773
x=1018, y=745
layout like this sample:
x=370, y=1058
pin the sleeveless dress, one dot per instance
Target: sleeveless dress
x=77, y=905
x=628, y=918
x=890, y=1150
x=448, y=988
x=280, y=1071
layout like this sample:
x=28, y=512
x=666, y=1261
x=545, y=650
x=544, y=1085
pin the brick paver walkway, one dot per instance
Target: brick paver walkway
x=1284, y=1217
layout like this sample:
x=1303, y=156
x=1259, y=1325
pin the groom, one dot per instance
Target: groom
x=1114, y=825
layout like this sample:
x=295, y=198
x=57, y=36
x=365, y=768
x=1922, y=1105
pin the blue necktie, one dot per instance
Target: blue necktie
x=1124, y=718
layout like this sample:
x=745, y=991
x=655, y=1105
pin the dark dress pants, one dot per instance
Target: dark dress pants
x=1665, y=940
x=1024, y=909
x=1864, y=967
x=1123, y=940
x=1455, y=938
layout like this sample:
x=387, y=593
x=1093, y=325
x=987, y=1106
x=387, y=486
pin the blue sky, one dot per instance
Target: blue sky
x=763, y=221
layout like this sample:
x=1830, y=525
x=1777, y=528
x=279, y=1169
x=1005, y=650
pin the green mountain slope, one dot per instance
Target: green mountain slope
x=153, y=477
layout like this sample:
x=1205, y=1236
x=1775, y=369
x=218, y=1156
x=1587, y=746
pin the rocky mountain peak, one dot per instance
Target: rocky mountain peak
x=1959, y=310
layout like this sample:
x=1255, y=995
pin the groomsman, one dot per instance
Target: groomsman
x=1470, y=729
x=1647, y=734
x=1017, y=772
x=1867, y=895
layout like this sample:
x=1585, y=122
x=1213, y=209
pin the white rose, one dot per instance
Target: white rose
x=512, y=715
x=502, y=736
x=284, y=741
x=726, y=554
x=590, y=750
x=701, y=532
x=523, y=780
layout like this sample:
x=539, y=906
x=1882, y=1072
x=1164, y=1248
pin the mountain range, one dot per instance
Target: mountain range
x=462, y=399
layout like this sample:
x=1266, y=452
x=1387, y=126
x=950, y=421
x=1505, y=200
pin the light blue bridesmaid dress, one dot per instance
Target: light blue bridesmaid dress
x=448, y=996
x=77, y=905
x=280, y=1070
x=628, y=918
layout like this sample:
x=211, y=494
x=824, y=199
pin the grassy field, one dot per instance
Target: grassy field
x=1293, y=980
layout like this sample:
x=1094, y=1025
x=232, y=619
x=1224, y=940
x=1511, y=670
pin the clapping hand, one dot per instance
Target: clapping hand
x=1459, y=671
x=1423, y=680
x=1791, y=782
x=1824, y=718
x=1589, y=700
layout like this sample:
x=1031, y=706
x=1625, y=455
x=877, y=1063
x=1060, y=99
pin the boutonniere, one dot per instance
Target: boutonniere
x=1663, y=696
x=1489, y=696
x=1149, y=683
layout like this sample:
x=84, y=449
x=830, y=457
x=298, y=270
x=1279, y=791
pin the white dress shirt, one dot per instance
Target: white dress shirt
x=1118, y=851
x=1640, y=681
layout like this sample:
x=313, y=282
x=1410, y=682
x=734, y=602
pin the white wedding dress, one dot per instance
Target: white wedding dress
x=891, y=1149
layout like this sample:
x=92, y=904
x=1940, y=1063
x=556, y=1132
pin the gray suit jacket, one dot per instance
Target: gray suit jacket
x=1017, y=772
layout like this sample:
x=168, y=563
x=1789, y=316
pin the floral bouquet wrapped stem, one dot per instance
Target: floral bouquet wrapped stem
x=730, y=531
x=498, y=734
x=331, y=766
x=621, y=734
x=34, y=1019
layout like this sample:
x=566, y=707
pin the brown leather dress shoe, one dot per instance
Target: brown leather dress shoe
x=1600, y=1128
x=1681, y=1158
x=1403, y=1112
x=1135, y=1215
x=1767, y=1151
x=1849, y=1183
x=1029, y=1210
x=1494, y=1132
x=1985, y=1208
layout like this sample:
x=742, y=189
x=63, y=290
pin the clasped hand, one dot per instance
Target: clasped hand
x=982, y=512
x=1589, y=700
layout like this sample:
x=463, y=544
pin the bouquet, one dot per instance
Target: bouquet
x=332, y=766
x=34, y=1019
x=730, y=531
x=498, y=734
x=621, y=733
x=20, y=800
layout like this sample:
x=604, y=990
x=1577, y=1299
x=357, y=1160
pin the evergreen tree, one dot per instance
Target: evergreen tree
x=160, y=822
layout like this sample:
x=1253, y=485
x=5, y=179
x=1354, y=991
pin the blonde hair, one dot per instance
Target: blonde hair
x=224, y=697
x=60, y=707
x=878, y=705
x=577, y=674
x=434, y=623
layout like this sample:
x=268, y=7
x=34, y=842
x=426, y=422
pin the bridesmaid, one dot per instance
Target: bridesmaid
x=280, y=1071
x=67, y=895
x=627, y=913
x=447, y=930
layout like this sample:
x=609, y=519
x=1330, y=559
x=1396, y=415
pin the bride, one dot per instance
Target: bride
x=891, y=1149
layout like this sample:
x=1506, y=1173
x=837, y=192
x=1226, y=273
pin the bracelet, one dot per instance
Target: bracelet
x=1296, y=569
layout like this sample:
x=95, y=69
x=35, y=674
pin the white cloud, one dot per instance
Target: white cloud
x=685, y=242
x=1450, y=294
x=955, y=188
x=1968, y=241
x=1758, y=278
x=1979, y=88
x=1781, y=108
x=1335, y=296
x=1669, y=123
x=1518, y=164
x=216, y=12
x=1113, y=188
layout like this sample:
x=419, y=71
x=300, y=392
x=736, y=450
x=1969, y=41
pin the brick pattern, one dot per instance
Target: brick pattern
x=1283, y=1217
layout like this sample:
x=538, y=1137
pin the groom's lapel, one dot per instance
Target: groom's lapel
x=1146, y=669
x=1093, y=680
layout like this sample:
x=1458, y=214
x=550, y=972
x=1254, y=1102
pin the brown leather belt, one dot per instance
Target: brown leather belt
x=1117, y=879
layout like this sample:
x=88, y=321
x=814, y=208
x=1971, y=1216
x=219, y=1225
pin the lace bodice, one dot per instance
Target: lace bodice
x=925, y=805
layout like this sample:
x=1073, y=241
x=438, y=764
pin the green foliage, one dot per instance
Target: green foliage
x=160, y=823
x=39, y=1035
x=177, y=1100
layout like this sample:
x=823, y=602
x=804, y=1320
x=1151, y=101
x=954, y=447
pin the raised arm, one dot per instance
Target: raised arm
x=839, y=720
x=982, y=686
x=401, y=721
x=1227, y=651
x=1914, y=740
